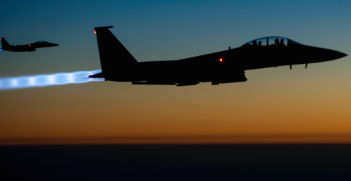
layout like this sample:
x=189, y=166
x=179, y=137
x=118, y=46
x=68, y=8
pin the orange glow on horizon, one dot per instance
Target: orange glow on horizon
x=275, y=106
x=224, y=139
x=244, y=114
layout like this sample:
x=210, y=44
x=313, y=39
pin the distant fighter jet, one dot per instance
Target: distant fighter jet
x=25, y=48
x=220, y=67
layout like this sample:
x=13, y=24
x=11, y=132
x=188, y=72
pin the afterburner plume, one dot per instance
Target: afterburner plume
x=22, y=82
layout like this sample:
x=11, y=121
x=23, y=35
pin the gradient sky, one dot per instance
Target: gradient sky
x=274, y=105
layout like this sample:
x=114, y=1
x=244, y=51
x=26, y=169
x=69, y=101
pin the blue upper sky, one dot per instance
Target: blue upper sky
x=162, y=30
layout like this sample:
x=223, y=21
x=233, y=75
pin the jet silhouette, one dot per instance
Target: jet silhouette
x=226, y=66
x=25, y=48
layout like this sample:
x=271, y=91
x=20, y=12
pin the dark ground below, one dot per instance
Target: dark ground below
x=176, y=162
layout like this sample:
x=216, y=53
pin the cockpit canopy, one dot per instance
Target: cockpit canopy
x=41, y=41
x=271, y=41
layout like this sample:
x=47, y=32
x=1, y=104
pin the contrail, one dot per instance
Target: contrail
x=48, y=80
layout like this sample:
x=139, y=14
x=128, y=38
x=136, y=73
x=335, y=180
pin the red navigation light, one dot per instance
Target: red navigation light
x=221, y=60
x=94, y=31
x=28, y=44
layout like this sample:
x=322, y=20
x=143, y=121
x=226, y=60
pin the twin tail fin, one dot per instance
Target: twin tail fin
x=4, y=43
x=113, y=55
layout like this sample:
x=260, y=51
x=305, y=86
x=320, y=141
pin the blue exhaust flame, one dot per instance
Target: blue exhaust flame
x=48, y=80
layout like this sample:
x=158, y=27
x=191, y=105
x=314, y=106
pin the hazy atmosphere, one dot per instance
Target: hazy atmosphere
x=275, y=105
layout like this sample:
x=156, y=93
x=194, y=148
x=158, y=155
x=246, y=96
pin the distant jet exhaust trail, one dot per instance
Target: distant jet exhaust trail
x=22, y=82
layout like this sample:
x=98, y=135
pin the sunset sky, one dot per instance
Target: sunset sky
x=275, y=105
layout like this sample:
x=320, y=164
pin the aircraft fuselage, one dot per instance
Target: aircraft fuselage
x=205, y=67
x=19, y=48
x=25, y=48
x=219, y=67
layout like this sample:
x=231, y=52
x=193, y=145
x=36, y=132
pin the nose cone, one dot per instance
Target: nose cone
x=328, y=55
x=53, y=44
x=337, y=55
x=342, y=54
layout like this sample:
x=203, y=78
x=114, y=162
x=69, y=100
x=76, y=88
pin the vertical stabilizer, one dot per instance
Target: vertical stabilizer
x=113, y=55
x=4, y=43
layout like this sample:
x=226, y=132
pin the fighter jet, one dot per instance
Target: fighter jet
x=226, y=66
x=25, y=48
